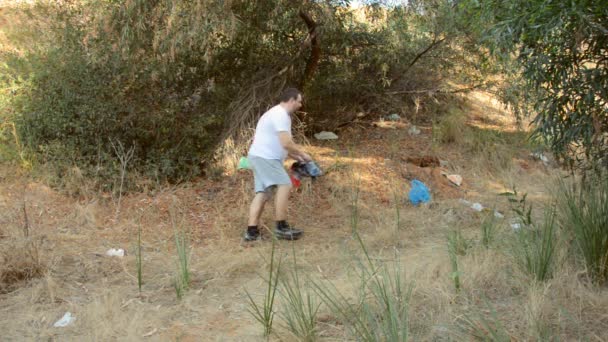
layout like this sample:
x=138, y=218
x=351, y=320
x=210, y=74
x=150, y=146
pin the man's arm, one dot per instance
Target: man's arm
x=292, y=148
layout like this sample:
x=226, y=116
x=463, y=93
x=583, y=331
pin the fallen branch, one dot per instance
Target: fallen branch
x=436, y=90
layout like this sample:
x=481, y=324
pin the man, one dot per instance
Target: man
x=272, y=143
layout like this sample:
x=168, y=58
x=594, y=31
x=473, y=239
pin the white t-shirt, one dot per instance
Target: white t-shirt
x=266, y=143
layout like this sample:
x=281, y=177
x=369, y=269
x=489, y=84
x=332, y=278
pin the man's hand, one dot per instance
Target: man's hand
x=293, y=150
x=305, y=157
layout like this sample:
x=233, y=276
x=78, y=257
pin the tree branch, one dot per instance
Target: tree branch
x=436, y=91
x=433, y=44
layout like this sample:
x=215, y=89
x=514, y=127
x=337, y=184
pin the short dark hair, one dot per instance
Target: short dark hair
x=288, y=94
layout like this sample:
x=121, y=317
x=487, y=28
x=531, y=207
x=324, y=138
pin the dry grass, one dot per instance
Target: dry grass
x=68, y=270
x=21, y=260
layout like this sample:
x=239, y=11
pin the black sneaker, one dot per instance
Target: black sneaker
x=252, y=236
x=288, y=233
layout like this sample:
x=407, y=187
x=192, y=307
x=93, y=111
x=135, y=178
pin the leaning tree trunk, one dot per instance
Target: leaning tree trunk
x=315, y=53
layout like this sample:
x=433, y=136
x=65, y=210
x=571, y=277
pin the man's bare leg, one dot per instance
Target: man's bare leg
x=281, y=202
x=256, y=208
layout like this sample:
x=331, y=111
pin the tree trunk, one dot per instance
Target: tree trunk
x=315, y=53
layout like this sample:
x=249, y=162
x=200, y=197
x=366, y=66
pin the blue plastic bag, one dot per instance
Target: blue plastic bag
x=313, y=169
x=419, y=193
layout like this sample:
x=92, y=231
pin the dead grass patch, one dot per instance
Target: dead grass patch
x=21, y=260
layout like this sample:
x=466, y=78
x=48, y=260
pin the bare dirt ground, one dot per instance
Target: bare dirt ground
x=68, y=238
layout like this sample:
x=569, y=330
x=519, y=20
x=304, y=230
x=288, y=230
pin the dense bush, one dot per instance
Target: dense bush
x=172, y=79
x=560, y=50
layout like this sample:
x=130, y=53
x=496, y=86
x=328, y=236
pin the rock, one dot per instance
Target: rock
x=413, y=130
x=326, y=136
x=393, y=117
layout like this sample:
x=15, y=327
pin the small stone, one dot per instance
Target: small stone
x=413, y=130
x=393, y=117
x=326, y=136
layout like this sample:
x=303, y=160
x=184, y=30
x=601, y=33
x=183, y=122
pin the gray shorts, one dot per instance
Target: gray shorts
x=267, y=173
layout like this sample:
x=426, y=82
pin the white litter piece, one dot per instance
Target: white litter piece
x=413, y=130
x=119, y=252
x=465, y=202
x=150, y=333
x=515, y=226
x=497, y=214
x=443, y=163
x=477, y=206
x=326, y=136
x=66, y=320
x=456, y=179
x=540, y=156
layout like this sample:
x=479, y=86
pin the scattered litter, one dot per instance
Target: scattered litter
x=295, y=182
x=244, y=163
x=66, y=320
x=360, y=114
x=393, y=117
x=150, y=333
x=300, y=170
x=119, y=252
x=456, y=179
x=477, y=206
x=308, y=169
x=443, y=163
x=413, y=130
x=326, y=136
x=540, y=156
x=515, y=226
x=419, y=193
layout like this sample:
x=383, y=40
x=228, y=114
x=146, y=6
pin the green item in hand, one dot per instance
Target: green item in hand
x=244, y=163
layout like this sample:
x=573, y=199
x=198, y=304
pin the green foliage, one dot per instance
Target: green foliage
x=380, y=311
x=452, y=127
x=536, y=245
x=488, y=229
x=264, y=313
x=584, y=214
x=138, y=260
x=519, y=206
x=82, y=93
x=182, y=247
x=457, y=245
x=483, y=326
x=560, y=49
x=300, y=312
x=171, y=79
